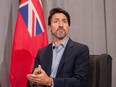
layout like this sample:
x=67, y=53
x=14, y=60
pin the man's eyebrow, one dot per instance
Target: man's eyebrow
x=64, y=19
x=55, y=19
x=58, y=19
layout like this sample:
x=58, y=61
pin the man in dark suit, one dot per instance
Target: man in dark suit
x=63, y=63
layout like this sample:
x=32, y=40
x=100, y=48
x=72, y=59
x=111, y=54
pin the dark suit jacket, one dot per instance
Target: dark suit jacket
x=73, y=67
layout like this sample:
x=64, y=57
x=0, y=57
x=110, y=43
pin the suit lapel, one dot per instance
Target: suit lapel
x=48, y=60
x=66, y=55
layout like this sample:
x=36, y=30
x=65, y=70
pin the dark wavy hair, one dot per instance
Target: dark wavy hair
x=58, y=10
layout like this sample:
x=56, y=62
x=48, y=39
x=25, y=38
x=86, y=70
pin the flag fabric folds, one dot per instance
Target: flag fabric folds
x=29, y=36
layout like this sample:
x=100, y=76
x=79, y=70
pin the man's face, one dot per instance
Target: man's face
x=59, y=26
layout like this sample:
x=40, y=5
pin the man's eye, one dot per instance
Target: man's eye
x=55, y=21
x=65, y=21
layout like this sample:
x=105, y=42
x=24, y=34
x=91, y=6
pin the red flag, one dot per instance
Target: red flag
x=30, y=35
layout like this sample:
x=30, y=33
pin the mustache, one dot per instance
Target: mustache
x=60, y=28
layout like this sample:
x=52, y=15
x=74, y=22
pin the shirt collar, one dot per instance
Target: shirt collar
x=64, y=43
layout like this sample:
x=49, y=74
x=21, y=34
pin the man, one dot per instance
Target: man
x=63, y=63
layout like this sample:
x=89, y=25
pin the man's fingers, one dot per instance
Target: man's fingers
x=42, y=71
x=37, y=71
x=33, y=78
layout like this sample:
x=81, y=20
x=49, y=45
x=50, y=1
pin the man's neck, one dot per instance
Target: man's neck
x=59, y=41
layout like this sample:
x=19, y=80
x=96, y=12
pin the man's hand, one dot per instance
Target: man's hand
x=39, y=77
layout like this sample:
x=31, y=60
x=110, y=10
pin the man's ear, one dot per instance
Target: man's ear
x=49, y=28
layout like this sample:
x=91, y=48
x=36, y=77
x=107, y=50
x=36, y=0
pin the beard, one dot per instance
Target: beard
x=59, y=33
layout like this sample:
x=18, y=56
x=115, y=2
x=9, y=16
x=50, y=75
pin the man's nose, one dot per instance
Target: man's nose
x=60, y=24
